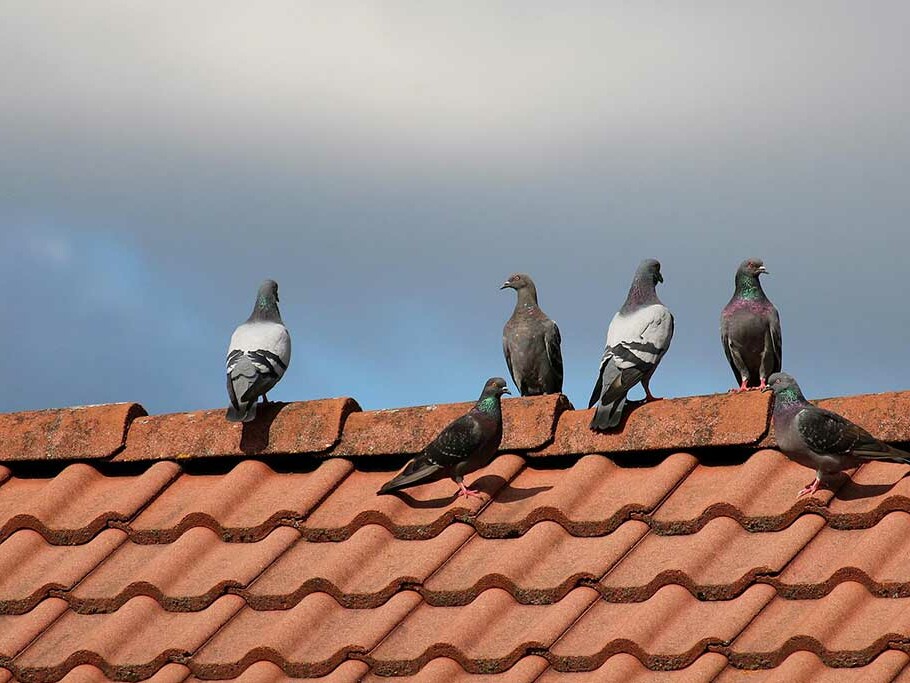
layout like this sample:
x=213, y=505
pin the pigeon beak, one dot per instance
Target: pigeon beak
x=506, y=391
x=765, y=388
x=505, y=285
x=762, y=269
x=660, y=278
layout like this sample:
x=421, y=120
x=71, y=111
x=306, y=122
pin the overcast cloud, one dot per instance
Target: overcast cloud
x=391, y=163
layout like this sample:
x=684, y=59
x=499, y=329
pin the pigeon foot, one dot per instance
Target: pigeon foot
x=466, y=492
x=810, y=488
x=741, y=388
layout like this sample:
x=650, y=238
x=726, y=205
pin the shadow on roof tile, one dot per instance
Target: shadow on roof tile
x=805, y=667
x=80, y=501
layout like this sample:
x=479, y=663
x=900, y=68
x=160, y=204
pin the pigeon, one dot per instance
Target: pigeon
x=467, y=444
x=530, y=342
x=819, y=439
x=750, y=329
x=638, y=337
x=258, y=355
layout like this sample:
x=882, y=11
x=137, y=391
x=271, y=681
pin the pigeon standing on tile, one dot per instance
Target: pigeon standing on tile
x=467, y=444
x=638, y=337
x=258, y=355
x=750, y=329
x=819, y=439
x=531, y=342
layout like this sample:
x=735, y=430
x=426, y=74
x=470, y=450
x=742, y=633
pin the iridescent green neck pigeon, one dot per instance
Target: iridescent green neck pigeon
x=258, y=355
x=819, y=439
x=638, y=337
x=531, y=342
x=750, y=329
x=466, y=445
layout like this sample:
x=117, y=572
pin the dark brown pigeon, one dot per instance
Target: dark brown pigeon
x=750, y=329
x=466, y=445
x=638, y=337
x=819, y=439
x=531, y=342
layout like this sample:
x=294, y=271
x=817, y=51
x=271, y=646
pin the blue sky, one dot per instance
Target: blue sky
x=391, y=163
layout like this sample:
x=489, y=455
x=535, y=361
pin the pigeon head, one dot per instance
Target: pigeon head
x=524, y=286
x=518, y=281
x=649, y=269
x=784, y=387
x=266, y=306
x=643, y=291
x=752, y=267
x=495, y=386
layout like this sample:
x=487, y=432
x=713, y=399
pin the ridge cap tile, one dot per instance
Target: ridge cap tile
x=670, y=424
x=528, y=424
x=78, y=433
x=303, y=427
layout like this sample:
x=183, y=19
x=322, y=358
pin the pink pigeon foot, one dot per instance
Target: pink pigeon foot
x=762, y=385
x=810, y=488
x=742, y=387
x=466, y=492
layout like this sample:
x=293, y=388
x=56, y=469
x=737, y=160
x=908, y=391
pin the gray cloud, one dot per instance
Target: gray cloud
x=390, y=163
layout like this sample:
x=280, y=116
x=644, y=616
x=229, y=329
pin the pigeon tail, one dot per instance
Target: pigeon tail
x=608, y=416
x=244, y=413
x=891, y=455
x=419, y=471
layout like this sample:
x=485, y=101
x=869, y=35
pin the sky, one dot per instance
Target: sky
x=391, y=163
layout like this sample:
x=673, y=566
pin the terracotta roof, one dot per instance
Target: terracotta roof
x=176, y=547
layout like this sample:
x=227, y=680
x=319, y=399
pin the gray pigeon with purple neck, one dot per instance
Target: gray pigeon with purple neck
x=465, y=445
x=750, y=329
x=819, y=439
x=638, y=337
x=531, y=342
x=258, y=354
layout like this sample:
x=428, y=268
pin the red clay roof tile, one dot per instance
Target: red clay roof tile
x=528, y=424
x=533, y=568
x=509, y=629
x=875, y=557
x=847, y=627
x=526, y=670
x=79, y=502
x=363, y=571
x=133, y=642
x=186, y=575
x=624, y=668
x=420, y=512
x=717, y=563
x=302, y=427
x=670, y=424
x=668, y=631
x=31, y=568
x=247, y=503
x=310, y=639
x=87, y=673
x=318, y=568
x=590, y=498
x=805, y=667
x=66, y=433
x=17, y=631
x=759, y=493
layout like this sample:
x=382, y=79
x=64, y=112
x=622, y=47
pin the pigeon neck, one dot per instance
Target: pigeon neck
x=527, y=297
x=788, y=397
x=265, y=310
x=748, y=287
x=641, y=293
x=489, y=405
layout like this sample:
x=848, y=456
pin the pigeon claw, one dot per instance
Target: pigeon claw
x=809, y=489
x=467, y=493
x=741, y=388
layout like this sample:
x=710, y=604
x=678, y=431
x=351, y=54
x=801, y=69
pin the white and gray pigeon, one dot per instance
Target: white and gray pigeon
x=750, y=329
x=258, y=355
x=531, y=342
x=638, y=337
x=819, y=439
